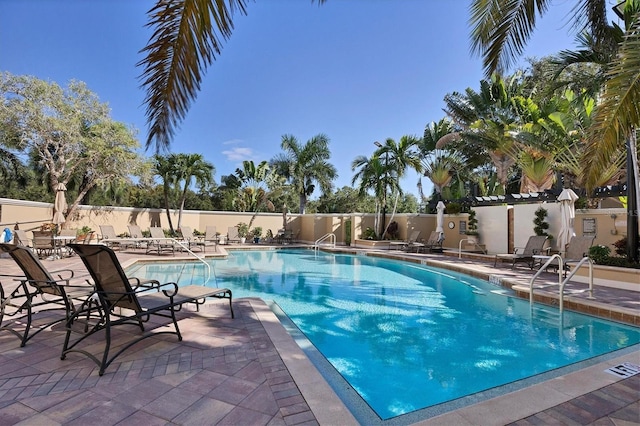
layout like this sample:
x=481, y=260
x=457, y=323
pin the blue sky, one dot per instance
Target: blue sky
x=357, y=70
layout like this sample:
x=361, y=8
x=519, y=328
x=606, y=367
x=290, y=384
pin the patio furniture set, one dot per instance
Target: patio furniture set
x=108, y=300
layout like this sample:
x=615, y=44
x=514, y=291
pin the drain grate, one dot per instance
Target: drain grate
x=625, y=370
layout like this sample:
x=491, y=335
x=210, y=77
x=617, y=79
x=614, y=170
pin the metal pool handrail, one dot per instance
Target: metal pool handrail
x=561, y=282
x=542, y=268
x=327, y=236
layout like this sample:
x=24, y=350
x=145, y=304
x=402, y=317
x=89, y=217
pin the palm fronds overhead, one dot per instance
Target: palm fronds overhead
x=187, y=37
x=618, y=113
x=501, y=29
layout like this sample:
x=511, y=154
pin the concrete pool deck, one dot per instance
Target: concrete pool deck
x=250, y=371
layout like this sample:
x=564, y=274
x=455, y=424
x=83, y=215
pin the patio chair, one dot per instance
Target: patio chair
x=123, y=304
x=191, y=240
x=211, y=237
x=232, y=234
x=576, y=250
x=279, y=237
x=402, y=245
x=534, y=246
x=415, y=245
x=37, y=292
x=108, y=233
x=43, y=243
x=21, y=238
x=160, y=244
x=434, y=243
x=289, y=237
x=136, y=234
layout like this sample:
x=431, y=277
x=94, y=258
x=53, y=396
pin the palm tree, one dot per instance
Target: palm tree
x=440, y=166
x=163, y=167
x=374, y=175
x=397, y=158
x=188, y=167
x=306, y=165
x=253, y=192
x=489, y=122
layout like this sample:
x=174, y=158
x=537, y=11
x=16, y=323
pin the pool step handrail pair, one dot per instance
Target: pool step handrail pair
x=562, y=282
x=328, y=236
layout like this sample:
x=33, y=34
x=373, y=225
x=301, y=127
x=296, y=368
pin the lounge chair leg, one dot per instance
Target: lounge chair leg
x=230, y=304
x=175, y=323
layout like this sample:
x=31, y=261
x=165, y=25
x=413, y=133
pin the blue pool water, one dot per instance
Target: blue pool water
x=407, y=336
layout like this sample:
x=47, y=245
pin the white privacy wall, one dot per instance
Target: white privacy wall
x=492, y=224
x=523, y=216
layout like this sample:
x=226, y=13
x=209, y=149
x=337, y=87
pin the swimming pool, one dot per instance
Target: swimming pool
x=403, y=335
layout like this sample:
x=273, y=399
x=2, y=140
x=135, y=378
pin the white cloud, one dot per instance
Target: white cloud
x=232, y=142
x=238, y=154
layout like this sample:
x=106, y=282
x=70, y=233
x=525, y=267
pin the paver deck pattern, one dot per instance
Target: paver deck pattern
x=242, y=371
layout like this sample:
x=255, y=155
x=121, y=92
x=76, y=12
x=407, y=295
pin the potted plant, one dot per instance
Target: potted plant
x=243, y=231
x=257, y=233
x=472, y=227
x=84, y=233
x=540, y=223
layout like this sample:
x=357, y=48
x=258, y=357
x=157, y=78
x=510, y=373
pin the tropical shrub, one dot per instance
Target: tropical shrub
x=599, y=254
x=347, y=232
x=243, y=230
x=453, y=208
x=472, y=226
x=369, y=234
x=540, y=223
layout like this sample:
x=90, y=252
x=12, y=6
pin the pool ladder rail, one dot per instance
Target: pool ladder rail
x=200, y=258
x=561, y=282
x=329, y=236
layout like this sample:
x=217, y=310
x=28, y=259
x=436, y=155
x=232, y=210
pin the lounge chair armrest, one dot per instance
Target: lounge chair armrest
x=60, y=271
x=12, y=276
x=145, y=283
x=516, y=249
x=170, y=292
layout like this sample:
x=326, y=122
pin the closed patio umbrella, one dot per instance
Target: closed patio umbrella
x=440, y=219
x=567, y=200
x=60, y=204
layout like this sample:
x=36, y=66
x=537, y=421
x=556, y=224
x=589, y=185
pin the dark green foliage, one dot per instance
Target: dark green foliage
x=369, y=234
x=599, y=254
x=453, y=208
x=540, y=222
x=347, y=232
x=472, y=226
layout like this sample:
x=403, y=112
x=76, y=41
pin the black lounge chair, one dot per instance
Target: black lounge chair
x=37, y=292
x=403, y=245
x=535, y=246
x=121, y=303
x=434, y=243
x=575, y=251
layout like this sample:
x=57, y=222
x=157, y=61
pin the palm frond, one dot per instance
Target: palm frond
x=501, y=29
x=187, y=37
x=592, y=15
x=618, y=112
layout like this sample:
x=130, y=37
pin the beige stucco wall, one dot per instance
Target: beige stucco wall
x=492, y=222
